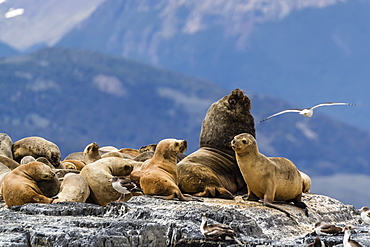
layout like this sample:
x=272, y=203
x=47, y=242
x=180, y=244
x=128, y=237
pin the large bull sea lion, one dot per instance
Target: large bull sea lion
x=212, y=170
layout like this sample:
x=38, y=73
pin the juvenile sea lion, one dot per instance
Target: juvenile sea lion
x=20, y=185
x=212, y=170
x=272, y=179
x=74, y=188
x=91, y=153
x=159, y=176
x=97, y=175
x=37, y=147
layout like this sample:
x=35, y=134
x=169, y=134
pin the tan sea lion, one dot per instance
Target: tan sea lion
x=60, y=173
x=107, y=149
x=68, y=165
x=75, y=156
x=117, y=154
x=306, y=182
x=6, y=146
x=91, y=153
x=77, y=163
x=130, y=151
x=20, y=185
x=12, y=164
x=74, y=188
x=4, y=170
x=97, y=175
x=37, y=147
x=272, y=179
x=159, y=175
x=212, y=170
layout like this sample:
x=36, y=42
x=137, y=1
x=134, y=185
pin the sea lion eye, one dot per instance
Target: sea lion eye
x=232, y=102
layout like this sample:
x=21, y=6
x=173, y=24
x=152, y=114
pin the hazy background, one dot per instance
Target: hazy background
x=128, y=73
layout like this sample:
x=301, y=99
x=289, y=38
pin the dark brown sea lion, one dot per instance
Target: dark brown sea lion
x=212, y=170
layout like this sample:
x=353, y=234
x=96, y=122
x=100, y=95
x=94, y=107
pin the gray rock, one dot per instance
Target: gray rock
x=148, y=221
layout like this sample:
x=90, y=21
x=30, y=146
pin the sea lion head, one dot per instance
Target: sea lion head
x=238, y=101
x=91, y=148
x=243, y=143
x=225, y=119
x=171, y=147
x=39, y=171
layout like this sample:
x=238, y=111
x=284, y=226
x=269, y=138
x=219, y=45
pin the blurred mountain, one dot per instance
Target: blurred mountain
x=43, y=21
x=7, y=51
x=74, y=97
x=307, y=52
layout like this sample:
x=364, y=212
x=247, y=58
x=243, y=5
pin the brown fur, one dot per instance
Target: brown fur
x=158, y=176
x=12, y=164
x=129, y=151
x=272, y=179
x=20, y=185
x=117, y=154
x=212, y=170
x=4, y=171
x=74, y=188
x=97, y=175
x=36, y=147
x=78, y=164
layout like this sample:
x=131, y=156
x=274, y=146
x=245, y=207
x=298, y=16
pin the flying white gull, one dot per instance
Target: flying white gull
x=14, y=12
x=307, y=112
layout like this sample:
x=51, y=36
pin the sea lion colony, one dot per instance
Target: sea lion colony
x=31, y=169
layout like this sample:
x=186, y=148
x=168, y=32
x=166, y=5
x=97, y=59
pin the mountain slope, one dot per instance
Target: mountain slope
x=43, y=21
x=307, y=52
x=74, y=97
x=7, y=51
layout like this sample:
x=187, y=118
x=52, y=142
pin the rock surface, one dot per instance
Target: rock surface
x=148, y=221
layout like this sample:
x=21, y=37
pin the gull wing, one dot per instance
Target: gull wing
x=285, y=111
x=331, y=103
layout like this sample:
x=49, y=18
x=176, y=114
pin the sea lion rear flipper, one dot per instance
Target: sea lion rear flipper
x=271, y=205
x=213, y=191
